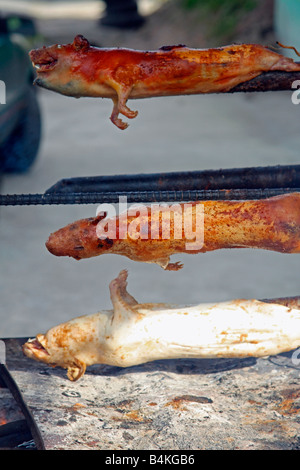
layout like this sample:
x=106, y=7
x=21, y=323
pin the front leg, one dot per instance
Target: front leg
x=166, y=265
x=174, y=266
x=123, y=302
x=115, y=116
x=120, y=107
x=118, y=291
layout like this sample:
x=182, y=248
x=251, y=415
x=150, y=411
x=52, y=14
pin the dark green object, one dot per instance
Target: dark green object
x=223, y=16
x=20, y=119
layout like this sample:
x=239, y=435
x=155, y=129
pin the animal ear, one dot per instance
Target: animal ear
x=100, y=216
x=80, y=43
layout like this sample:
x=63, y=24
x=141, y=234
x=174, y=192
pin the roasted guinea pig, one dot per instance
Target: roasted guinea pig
x=79, y=69
x=133, y=333
x=152, y=234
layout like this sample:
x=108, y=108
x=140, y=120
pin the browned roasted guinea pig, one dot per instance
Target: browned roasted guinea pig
x=269, y=224
x=79, y=69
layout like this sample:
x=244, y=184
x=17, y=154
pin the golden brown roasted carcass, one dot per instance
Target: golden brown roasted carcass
x=152, y=236
x=78, y=69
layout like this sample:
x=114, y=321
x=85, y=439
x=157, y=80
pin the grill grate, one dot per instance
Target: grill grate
x=238, y=183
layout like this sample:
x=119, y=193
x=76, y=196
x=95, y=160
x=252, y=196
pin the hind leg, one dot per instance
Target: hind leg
x=120, y=107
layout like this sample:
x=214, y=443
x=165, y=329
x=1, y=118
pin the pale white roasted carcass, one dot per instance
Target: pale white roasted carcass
x=133, y=333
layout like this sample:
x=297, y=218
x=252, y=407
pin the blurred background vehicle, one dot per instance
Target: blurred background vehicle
x=20, y=117
x=122, y=14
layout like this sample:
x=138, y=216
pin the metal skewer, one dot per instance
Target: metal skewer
x=287, y=176
x=240, y=183
x=144, y=196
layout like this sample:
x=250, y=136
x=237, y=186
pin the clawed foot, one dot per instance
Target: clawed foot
x=118, y=122
x=120, y=108
x=128, y=112
x=174, y=266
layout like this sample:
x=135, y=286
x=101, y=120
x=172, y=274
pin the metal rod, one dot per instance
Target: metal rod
x=268, y=81
x=287, y=176
x=143, y=196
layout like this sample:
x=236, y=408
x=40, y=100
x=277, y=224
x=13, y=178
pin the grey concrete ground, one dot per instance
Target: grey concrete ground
x=38, y=290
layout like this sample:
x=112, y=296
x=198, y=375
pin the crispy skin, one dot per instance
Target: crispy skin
x=79, y=69
x=269, y=224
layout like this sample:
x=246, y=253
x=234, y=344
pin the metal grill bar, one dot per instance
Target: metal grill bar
x=285, y=176
x=143, y=196
x=268, y=81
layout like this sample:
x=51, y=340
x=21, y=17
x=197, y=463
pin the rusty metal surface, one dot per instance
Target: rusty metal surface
x=234, y=183
x=165, y=405
x=143, y=196
x=268, y=81
x=279, y=176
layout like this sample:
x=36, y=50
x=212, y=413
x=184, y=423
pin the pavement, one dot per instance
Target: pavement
x=39, y=290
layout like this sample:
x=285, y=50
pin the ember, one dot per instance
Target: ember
x=2, y=421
